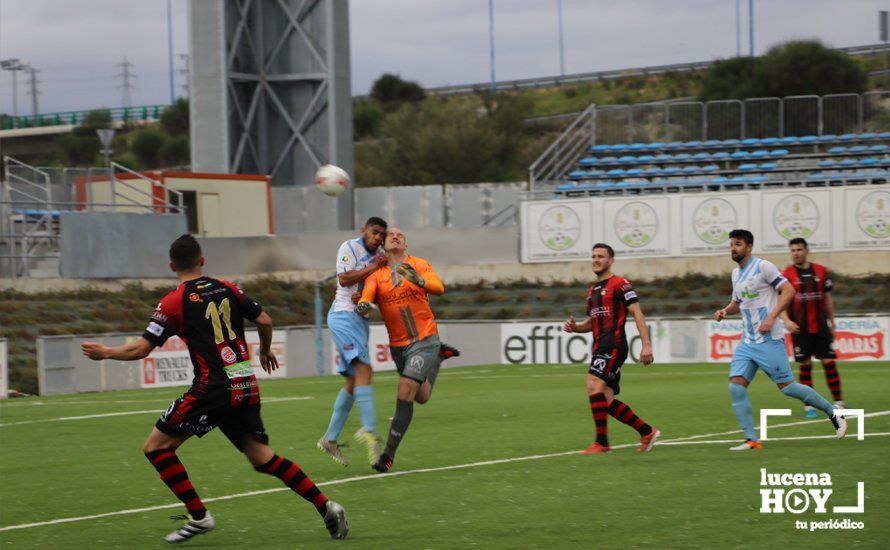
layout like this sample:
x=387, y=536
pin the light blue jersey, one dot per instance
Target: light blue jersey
x=351, y=256
x=755, y=288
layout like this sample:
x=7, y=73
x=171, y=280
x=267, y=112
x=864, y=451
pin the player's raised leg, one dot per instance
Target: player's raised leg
x=623, y=413
x=160, y=450
x=805, y=377
x=401, y=419
x=264, y=460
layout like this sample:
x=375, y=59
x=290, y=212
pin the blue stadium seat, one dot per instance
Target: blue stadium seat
x=655, y=146
x=720, y=155
x=667, y=170
x=566, y=187
x=809, y=139
x=577, y=174
x=652, y=172
x=633, y=172
x=868, y=135
x=788, y=140
x=778, y=153
x=768, y=166
x=827, y=138
x=645, y=158
x=627, y=159
x=757, y=179
x=601, y=148
x=615, y=172
x=608, y=160
x=878, y=148
x=588, y=161
x=701, y=156
x=837, y=150
x=750, y=141
x=682, y=156
x=884, y=135
x=870, y=161
x=858, y=149
x=769, y=141
x=827, y=163
x=638, y=146
x=847, y=137
x=747, y=167
x=712, y=143
x=619, y=147
x=693, y=143
x=731, y=142
x=691, y=169
x=847, y=162
x=718, y=179
x=673, y=145
x=740, y=155
x=710, y=168
x=759, y=154
x=663, y=157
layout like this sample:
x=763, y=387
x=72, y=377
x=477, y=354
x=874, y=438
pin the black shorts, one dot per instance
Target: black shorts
x=812, y=345
x=606, y=365
x=197, y=415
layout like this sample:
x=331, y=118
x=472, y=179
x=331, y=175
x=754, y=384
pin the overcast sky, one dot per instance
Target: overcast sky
x=78, y=44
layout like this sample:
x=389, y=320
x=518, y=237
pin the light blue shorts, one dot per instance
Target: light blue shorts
x=350, y=332
x=770, y=356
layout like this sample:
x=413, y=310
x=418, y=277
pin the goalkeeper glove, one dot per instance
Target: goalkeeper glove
x=407, y=271
x=363, y=308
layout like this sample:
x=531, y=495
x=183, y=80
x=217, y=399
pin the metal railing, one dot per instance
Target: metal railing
x=25, y=236
x=155, y=203
x=580, y=78
x=30, y=229
x=797, y=116
x=144, y=112
x=567, y=148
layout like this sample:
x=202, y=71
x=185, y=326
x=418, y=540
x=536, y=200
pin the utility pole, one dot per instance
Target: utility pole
x=494, y=85
x=562, y=62
x=170, y=49
x=751, y=27
x=32, y=72
x=14, y=65
x=126, y=85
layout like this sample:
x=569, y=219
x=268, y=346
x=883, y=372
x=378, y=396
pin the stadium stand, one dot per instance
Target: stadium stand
x=658, y=167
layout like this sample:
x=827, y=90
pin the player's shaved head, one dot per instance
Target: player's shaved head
x=185, y=253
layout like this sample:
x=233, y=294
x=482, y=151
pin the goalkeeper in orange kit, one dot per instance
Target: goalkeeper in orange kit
x=400, y=290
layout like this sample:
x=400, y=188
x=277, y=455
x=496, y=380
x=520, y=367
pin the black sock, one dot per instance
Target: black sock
x=400, y=422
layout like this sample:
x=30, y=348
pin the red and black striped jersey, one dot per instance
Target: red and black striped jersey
x=607, y=303
x=811, y=287
x=208, y=315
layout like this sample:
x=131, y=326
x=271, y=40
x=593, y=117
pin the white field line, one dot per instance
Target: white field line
x=127, y=413
x=719, y=370
x=402, y=473
x=786, y=424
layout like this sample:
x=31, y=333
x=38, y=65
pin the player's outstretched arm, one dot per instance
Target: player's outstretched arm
x=786, y=294
x=131, y=351
x=571, y=325
x=792, y=327
x=730, y=309
x=646, y=356
x=369, y=294
x=264, y=328
x=350, y=278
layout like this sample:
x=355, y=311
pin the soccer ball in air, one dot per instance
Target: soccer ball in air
x=332, y=180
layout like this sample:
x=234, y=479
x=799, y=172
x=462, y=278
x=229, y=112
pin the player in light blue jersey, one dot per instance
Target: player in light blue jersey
x=761, y=294
x=356, y=259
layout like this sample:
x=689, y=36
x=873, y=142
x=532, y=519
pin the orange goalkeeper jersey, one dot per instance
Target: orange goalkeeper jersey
x=404, y=306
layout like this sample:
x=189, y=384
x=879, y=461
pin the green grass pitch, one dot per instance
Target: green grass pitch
x=696, y=494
